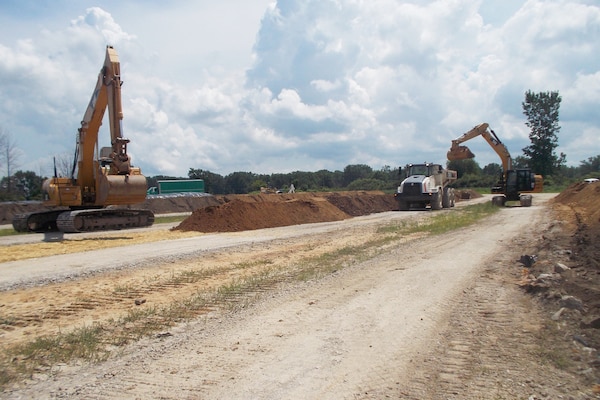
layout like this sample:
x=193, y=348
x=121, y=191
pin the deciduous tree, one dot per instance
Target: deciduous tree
x=9, y=155
x=542, y=111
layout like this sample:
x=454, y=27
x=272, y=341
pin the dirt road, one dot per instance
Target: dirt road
x=437, y=317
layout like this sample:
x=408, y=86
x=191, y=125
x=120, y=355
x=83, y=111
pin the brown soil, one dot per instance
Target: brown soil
x=242, y=213
x=247, y=212
x=579, y=207
x=350, y=203
x=573, y=295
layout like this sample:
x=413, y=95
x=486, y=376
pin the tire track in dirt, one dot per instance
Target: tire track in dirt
x=344, y=337
x=492, y=344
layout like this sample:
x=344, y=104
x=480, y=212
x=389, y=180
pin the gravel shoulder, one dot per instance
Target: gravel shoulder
x=439, y=317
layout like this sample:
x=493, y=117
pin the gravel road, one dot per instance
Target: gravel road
x=55, y=268
x=434, y=318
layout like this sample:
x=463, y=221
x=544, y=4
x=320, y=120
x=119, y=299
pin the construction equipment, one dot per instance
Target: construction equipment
x=426, y=185
x=90, y=199
x=513, y=183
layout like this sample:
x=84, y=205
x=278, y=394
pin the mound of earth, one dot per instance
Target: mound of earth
x=248, y=212
x=9, y=209
x=179, y=203
x=580, y=204
x=566, y=274
x=466, y=194
x=352, y=203
x=584, y=199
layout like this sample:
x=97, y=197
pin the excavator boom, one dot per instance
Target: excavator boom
x=512, y=182
x=459, y=152
x=103, y=178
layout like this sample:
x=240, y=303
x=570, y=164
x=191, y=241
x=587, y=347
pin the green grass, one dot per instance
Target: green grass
x=549, y=351
x=442, y=222
x=167, y=219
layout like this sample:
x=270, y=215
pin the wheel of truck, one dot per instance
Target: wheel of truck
x=402, y=205
x=452, y=197
x=436, y=201
x=446, y=198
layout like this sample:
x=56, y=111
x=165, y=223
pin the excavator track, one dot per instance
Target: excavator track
x=44, y=221
x=103, y=219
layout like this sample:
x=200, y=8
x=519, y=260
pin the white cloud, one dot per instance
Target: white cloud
x=313, y=84
x=325, y=85
x=97, y=20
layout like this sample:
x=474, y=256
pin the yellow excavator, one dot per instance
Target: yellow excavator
x=102, y=187
x=513, y=183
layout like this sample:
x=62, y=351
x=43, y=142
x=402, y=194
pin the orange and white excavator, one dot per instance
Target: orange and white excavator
x=513, y=182
x=102, y=187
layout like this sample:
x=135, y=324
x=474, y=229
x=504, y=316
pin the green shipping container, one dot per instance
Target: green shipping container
x=181, y=186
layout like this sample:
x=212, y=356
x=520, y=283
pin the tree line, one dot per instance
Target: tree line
x=541, y=110
x=27, y=185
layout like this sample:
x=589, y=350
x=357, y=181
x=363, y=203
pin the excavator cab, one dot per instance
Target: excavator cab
x=517, y=181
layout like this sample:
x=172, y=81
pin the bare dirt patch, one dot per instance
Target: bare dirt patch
x=242, y=213
x=577, y=210
x=566, y=273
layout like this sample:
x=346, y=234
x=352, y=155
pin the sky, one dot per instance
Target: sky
x=298, y=85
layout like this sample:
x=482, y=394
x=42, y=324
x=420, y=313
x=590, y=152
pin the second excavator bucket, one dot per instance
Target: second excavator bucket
x=459, y=153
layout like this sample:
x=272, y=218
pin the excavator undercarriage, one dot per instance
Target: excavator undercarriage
x=85, y=220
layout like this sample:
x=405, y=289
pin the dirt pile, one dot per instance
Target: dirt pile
x=248, y=212
x=11, y=208
x=580, y=205
x=351, y=203
x=584, y=200
x=566, y=271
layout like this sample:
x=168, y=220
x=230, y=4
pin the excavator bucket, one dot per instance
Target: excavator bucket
x=459, y=153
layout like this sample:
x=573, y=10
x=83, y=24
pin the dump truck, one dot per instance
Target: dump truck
x=425, y=186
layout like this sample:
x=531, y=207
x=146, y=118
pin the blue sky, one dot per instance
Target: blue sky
x=278, y=86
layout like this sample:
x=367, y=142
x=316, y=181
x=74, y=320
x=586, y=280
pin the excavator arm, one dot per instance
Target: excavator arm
x=459, y=152
x=102, y=180
x=512, y=182
x=109, y=179
x=107, y=94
